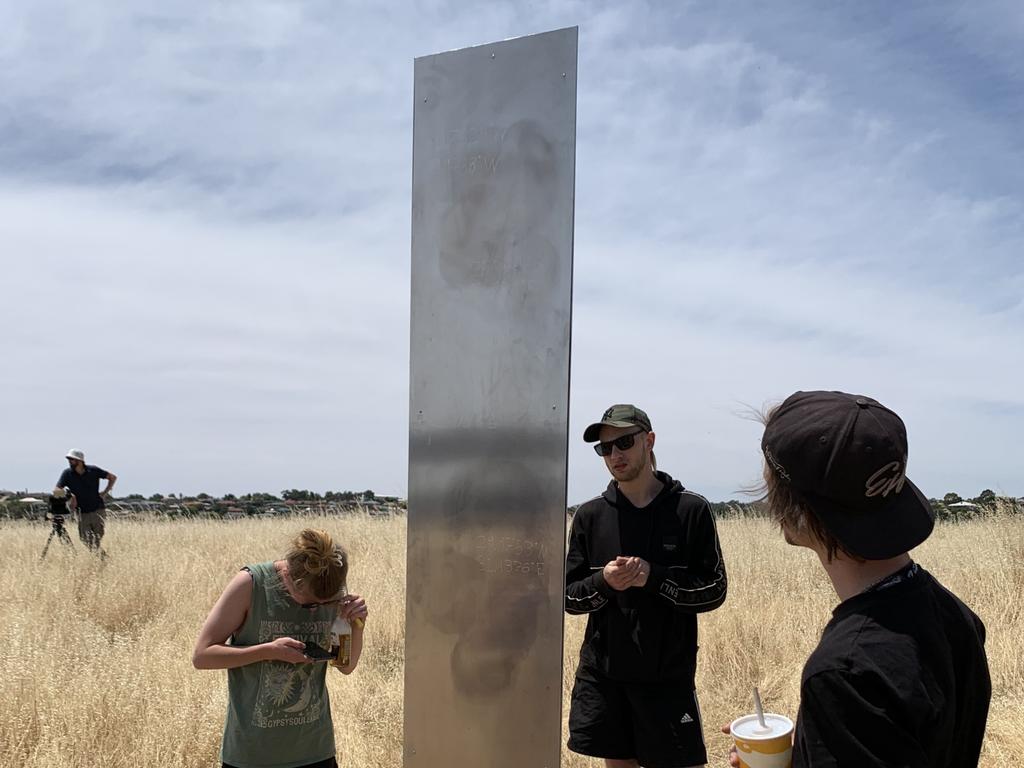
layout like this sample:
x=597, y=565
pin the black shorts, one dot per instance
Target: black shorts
x=657, y=724
x=330, y=762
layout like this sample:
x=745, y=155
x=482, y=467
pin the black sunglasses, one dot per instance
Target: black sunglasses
x=325, y=604
x=623, y=443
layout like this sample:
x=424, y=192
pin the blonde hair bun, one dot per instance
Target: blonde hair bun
x=317, y=563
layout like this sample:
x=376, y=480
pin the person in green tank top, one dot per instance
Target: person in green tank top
x=279, y=714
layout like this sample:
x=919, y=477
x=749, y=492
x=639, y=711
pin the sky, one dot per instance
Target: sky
x=204, y=232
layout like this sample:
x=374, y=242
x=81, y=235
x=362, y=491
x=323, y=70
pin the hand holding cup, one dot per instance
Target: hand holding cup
x=770, y=746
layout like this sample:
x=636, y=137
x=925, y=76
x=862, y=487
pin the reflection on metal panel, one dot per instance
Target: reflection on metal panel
x=493, y=177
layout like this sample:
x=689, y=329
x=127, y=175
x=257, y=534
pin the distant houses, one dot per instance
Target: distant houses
x=33, y=505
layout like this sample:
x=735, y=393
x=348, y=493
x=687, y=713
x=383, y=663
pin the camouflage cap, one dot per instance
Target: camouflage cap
x=622, y=415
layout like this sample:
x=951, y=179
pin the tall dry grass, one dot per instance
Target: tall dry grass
x=95, y=658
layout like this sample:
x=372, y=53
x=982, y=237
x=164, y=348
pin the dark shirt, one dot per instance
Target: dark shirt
x=86, y=487
x=649, y=633
x=899, y=679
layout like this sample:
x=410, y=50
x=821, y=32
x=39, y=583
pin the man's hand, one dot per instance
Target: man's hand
x=287, y=649
x=621, y=572
x=643, y=571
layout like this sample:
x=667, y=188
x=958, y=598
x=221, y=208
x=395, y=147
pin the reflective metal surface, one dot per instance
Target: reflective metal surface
x=493, y=180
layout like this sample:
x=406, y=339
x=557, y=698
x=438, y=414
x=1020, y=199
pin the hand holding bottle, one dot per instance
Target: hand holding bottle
x=353, y=609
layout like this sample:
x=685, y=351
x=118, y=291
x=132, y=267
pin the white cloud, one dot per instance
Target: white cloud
x=204, y=230
x=212, y=357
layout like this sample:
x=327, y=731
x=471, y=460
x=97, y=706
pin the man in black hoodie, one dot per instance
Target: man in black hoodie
x=643, y=561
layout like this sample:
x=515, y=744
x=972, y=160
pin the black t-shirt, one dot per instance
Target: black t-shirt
x=86, y=487
x=899, y=679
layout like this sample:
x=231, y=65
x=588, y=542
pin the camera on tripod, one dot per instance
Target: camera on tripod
x=57, y=513
x=59, y=505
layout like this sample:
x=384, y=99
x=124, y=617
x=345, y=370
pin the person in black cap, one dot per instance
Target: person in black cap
x=643, y=561
x=900, y=676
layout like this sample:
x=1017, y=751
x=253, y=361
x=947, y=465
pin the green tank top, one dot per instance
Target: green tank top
x=279, y=714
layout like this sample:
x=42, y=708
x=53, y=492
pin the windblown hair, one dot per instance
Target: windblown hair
x=790, y=508
x=317, y=563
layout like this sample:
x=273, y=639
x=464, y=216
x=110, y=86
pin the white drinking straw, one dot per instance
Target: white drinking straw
x=759, y=709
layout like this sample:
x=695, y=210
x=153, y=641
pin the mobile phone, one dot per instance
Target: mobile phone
x=315, y=652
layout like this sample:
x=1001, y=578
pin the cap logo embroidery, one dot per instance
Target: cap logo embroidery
x=776, y=466
x=886, y=480
x=607, y=414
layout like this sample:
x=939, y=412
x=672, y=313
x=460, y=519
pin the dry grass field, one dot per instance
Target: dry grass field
x=95, y=659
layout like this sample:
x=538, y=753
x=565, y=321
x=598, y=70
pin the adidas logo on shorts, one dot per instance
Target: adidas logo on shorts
x=686, y=718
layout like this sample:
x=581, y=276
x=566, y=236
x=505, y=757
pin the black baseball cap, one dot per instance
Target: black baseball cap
x=622, y=415
x=848, y=455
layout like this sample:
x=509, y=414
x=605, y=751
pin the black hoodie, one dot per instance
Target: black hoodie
x=649, y=633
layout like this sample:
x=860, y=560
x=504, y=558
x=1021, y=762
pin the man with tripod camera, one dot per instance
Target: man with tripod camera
x=83, y=480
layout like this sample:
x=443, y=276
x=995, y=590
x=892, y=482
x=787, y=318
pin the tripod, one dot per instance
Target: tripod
x=61, y=533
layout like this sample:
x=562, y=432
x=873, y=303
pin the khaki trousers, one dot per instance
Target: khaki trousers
x=91, y=526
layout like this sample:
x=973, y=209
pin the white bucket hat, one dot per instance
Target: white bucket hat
x=74, y=453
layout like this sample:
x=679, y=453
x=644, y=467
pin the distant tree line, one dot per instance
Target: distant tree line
x=951, y=507
x=203, y=504
x=292, y=494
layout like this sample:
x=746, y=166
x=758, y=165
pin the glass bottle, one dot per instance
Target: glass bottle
x=341, y=641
